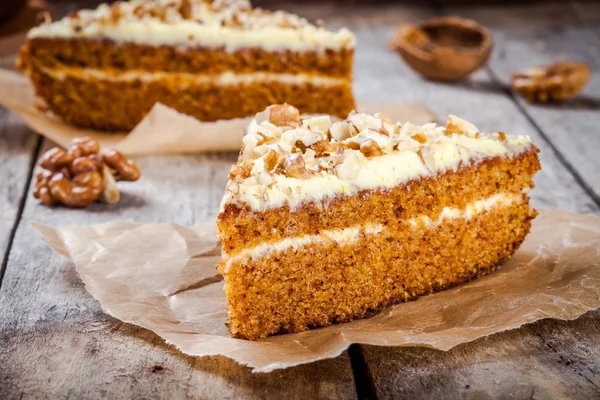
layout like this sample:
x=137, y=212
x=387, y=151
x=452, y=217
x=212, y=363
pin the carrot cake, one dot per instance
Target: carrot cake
x=221, y=59
x=325, y=222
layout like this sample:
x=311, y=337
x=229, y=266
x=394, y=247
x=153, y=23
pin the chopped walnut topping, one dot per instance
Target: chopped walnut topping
x=236, y=14
x=115, y=13
x=370, y=148
x=323, y=146
x=270, y=159
x=240, y=172
x=185, y=9
x=340, y=130
x=364, y=121
x=460, y=126
x=294, y=167
x=301, y=138
x=139, y=11
x=352, y=145
x=502, y=135
x=387, y=124
x=284, y=115
x=319, y=123
x=300, y=145
x=427, y=158
x=280, y=143
x=384, y=117
x=347, y=165
x=419, y=137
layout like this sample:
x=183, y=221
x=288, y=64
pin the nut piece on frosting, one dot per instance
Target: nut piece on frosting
x=82, y=175
x=280, y=115
x=458, y=125
x=294, y=167
x=280, y=144
x=553, y=83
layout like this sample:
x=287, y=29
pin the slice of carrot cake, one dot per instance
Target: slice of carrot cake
x=221, y=59
x=325, y=222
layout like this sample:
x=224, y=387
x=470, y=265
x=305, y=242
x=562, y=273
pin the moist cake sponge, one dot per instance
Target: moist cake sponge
x=221, y=59
x=325, y=222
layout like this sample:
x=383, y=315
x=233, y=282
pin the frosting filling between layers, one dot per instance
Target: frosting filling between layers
x=184, y=78
x=347, y=236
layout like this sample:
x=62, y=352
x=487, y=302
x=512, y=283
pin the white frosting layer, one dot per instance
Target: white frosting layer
x=183, y=79
x=290, y=160
x=229, y=24
x=347, y=236
x=386, y=171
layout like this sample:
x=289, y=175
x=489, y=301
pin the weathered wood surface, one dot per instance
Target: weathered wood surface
x=17, y=149
x=545, y=360
x=382, y=76
x=542, y=36
x=56, y=342
x=548, y=359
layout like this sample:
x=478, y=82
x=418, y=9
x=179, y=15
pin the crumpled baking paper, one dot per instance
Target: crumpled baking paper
x=162, y=277
x=163, y=130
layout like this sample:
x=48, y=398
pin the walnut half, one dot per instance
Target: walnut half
x=82, y=175
x=553, y=83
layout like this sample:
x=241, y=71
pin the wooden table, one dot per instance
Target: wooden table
x=55, y=341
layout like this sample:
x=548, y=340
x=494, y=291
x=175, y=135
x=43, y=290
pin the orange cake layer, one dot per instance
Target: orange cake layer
x=325, y=222
x=212, y=59
x=120, y=105
x=424, y=196
x=106, y=54
x=319, y=284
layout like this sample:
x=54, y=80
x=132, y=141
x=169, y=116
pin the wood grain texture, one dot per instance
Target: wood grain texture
x=382, y=76
x=58, y=343
x=55, y=341
x=548, y=359
x=17, y=148
x=544, y=360
x=567, y=32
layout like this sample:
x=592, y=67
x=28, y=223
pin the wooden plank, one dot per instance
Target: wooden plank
x=382, y=76
x=515, y=364
x=49, y=317
x=17, y=148
x=55, y=341
x=559, y=33
x=548, y=359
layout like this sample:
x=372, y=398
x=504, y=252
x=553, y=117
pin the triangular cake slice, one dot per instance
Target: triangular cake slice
x=105, y=68
x=325, y=222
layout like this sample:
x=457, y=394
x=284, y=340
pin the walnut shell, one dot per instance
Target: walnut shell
x=444, y=49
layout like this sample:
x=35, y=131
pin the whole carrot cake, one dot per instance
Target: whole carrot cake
x=325, y=222
x=221, y=59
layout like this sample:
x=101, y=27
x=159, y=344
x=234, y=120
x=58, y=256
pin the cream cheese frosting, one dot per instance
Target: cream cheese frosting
x=184, y=79
x=288, y=160
x=348, y=236
x=228, y=24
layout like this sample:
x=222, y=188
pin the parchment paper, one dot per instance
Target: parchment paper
x=163, y=130
x=162, y=277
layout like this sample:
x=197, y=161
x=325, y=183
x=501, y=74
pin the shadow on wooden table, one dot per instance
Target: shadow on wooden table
x=231, y=373
x=545, y=359
x=584, y=103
